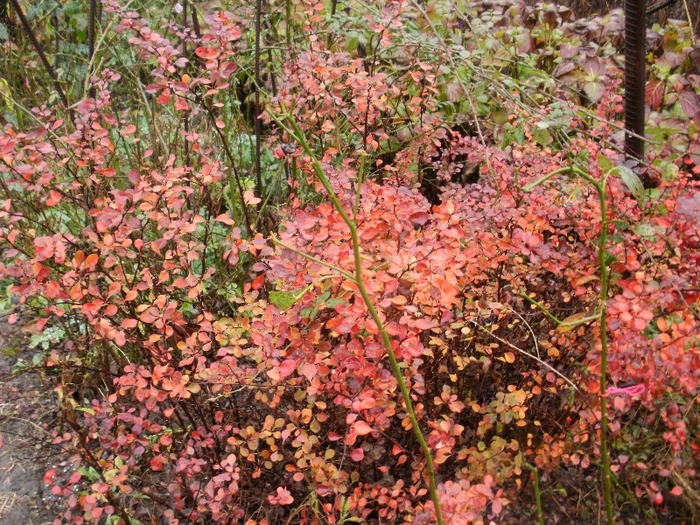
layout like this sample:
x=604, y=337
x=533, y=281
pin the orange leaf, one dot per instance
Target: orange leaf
x=114, y=288
x=91, y=261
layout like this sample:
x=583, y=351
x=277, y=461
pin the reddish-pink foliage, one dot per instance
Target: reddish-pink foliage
x=217, y=405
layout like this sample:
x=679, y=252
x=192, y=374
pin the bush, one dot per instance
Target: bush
x=240, y=322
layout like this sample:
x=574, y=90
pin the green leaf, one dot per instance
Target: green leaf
x=605, y=163
x=282, y=300
x=4, y=34
x=631, y=180
x=72, y=9
x=594, y=91
x=519, y=136
x=332, y=303
x=541, y=136
x=644, y=230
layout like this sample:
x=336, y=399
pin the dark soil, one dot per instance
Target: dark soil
x=26, y=415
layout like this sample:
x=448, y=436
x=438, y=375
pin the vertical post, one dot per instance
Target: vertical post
x=635, y=77
x=92, y=23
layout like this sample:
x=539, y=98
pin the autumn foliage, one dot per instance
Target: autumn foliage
x=216, y=362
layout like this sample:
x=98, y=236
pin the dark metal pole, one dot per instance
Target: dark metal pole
x=635, y=77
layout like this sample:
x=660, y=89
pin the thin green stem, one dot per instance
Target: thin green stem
x=358, y=189
x=310, y=257
x=294, y=130
x=604, y=277
x=574, y=322
x=544, y=179
x=538, y=494
x=634, y=501
x=603, y=316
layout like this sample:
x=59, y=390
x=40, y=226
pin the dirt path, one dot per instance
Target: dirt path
x=26, y=413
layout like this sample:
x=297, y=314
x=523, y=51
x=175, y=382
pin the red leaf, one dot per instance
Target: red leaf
x=41, y=272
x=423, y=324
x=114, y=288
x=357, y=455
x=206, y=53
x=308, y=370
x=676, y=491
x=75, y=477
x=148, y=316
x=281, y=497
x=111, y=310
x=157, y=463
x=258, y=282
x=163, y=98
x=287, y=367
x=273, y=373
x=655, y=94
x=129, y=323
x=119, y=338
x=50, y=474
x=228, y=221
x=361, y=428
x=181, y=104
x=54, y=198
x=128, y=130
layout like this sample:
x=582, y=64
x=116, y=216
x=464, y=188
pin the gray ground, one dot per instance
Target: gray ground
x=26, y=413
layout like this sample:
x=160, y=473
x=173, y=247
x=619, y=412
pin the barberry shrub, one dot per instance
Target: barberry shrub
x=225, y=312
